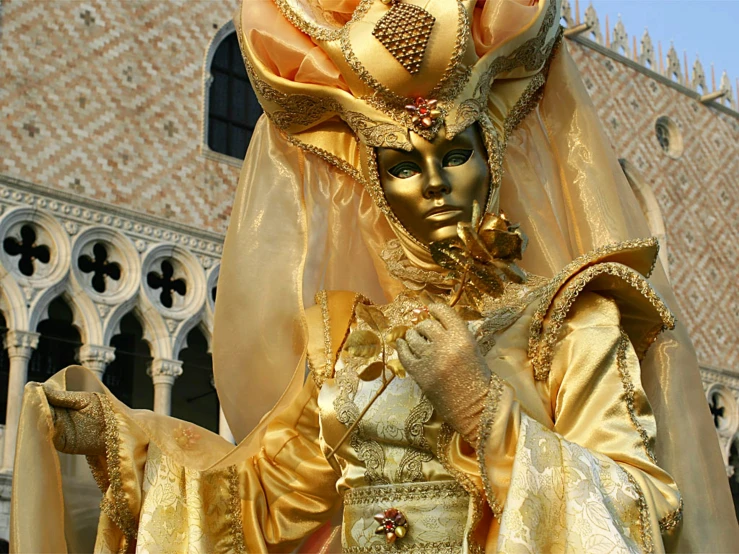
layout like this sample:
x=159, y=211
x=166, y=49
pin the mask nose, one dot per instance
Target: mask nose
x=436, y=186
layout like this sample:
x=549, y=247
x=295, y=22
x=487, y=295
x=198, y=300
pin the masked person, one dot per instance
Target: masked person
x=456, y=399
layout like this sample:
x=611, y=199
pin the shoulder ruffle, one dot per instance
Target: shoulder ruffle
x=618, y=271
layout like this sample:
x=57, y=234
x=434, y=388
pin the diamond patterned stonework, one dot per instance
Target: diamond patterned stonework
x=697, y=192
x=405, y=30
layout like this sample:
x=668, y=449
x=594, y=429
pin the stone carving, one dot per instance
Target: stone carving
x=672, y=71
x=646, y=54
x=698, y=81
x=620, y=39
x=591, y=19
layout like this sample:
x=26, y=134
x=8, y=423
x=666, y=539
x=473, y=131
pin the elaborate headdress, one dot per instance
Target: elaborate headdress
x=397, y=67
x=338, y=78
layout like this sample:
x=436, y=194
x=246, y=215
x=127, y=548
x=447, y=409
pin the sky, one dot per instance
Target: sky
x=709, y=28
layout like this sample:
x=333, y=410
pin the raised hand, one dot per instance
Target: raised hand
x=79, y=425
x=443, y=358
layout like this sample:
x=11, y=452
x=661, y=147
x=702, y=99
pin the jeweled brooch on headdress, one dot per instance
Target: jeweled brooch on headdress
x=424, y=112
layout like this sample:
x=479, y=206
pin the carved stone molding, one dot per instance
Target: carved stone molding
x=96, y=357
x=86, y=212
x=21, y=344
x=165, y=371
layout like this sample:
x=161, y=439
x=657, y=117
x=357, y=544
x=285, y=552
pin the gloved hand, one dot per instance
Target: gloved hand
x=79, y=424
x=443, y=358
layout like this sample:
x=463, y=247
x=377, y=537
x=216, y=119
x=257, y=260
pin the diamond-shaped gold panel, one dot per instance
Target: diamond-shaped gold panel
x=405, y=30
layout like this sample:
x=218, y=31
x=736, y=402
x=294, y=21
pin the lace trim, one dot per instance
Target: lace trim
x=486, y=424
x=413, y=277
x=623, y=370
x=427, y=548
x=644, y=521
x=320, y=375
x=387, y=494
x=442, y=447
x=234, y=514
x=316, y=31
x=673, y=519
x=541, y=347
x=530, y=55
x=116, y=508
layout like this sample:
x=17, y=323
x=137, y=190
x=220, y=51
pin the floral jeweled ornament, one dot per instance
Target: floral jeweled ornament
x=483, y=252
x=393, y=525
x=424, y=112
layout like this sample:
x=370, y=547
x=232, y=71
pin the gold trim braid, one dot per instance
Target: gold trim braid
x=486, y=423
x=114, y=504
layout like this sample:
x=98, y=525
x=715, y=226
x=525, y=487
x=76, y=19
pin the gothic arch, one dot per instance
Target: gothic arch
x=180, y=340
x=85, y=316
x=12, y=302
x=156, y=334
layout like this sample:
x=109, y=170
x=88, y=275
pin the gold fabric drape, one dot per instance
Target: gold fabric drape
x=299, y=225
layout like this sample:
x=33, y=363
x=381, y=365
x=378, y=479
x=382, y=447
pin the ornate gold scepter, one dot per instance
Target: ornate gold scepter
x=483, y=253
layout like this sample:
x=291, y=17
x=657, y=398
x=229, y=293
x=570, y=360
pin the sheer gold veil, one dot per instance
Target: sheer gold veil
x=306, y=216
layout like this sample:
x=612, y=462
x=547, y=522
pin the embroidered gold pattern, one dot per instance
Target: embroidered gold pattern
x=623, y=370
x=404, y=31
x=392, y=104
x=410, y=467
x=347, y=412
x=378, y=135
x=436, y=511
x=486, y=423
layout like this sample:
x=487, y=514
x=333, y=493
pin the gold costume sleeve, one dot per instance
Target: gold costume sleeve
x=172, y=486
x=586, y=480
x=267, y=502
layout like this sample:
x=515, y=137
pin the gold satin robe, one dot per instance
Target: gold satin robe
x=564, y=461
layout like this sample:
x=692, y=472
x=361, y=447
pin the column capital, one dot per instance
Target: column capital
x=165, y=371
x=96, y=357
x=21, y=344
x=97, y=353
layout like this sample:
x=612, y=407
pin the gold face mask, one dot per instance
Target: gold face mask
x=433, y=187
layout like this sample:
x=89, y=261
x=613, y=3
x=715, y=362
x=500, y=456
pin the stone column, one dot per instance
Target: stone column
x=20, y=345
x=96, y=358
x=223, y=429
x=163, y=373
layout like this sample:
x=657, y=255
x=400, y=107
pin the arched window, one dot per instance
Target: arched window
x=58, y=344
x=126, y=376
x=194, y=396
x=232, y=107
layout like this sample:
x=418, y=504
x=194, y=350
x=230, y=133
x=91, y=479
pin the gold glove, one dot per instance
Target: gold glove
x=79, y=425
x=443, y=358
